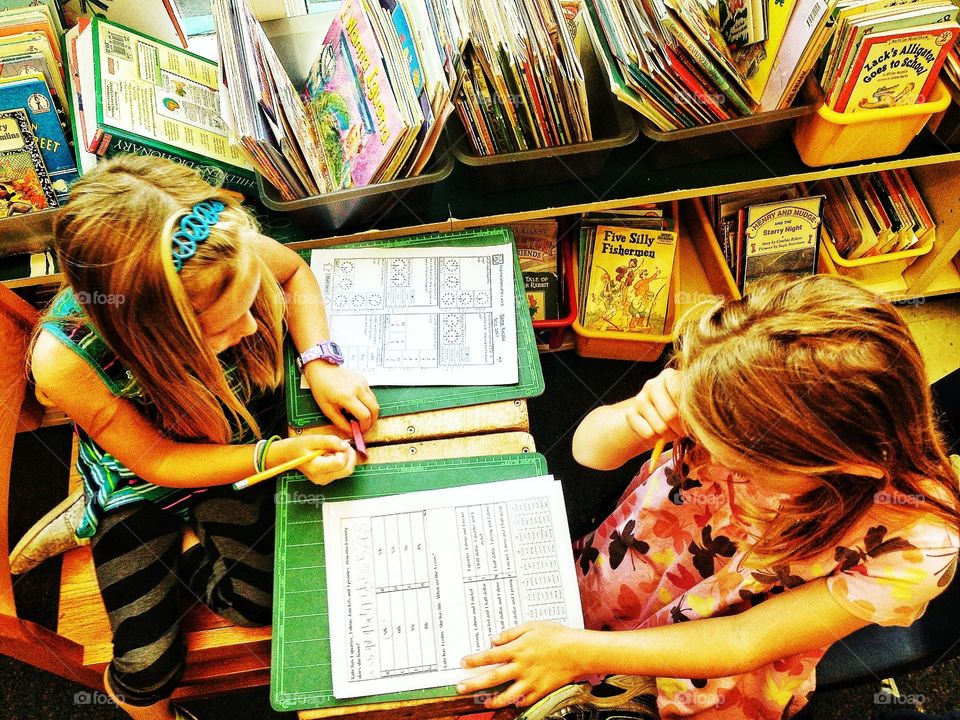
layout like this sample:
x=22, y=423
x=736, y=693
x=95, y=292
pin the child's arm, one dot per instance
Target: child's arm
x=537, y=658
x=70, y=384
x=336, y=389
x=612, y=434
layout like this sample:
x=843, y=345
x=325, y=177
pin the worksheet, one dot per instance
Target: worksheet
x=417, y=581
x=423, y=316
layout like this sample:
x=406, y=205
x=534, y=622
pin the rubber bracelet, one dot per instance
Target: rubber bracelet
x=256, y=456
x=263, y=452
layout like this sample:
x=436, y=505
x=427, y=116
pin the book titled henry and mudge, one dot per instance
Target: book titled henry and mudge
x=626, y=278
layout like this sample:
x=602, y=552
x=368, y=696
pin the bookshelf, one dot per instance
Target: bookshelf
x=628, y=179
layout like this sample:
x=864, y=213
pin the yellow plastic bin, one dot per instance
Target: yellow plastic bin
x=626, y=345
x=878, y=267
x=828, y=138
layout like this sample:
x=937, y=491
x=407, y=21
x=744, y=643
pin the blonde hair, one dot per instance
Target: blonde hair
x=812, y=377
x=115, y=237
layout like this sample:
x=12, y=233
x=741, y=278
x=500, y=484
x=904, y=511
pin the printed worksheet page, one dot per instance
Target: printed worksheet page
x=423, y=316
x=417, y=581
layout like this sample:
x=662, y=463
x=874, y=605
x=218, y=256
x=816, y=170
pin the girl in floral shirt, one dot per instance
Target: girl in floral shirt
x=808, y=495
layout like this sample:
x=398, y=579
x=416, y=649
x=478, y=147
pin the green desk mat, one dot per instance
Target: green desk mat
x=300, y=675
x=302, y=410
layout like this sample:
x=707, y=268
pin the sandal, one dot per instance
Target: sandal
x=180, y=714
x=617, y=697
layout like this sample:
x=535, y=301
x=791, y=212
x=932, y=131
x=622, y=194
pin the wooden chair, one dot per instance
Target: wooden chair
x=220, y=656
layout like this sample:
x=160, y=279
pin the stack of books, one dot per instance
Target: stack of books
x=524, y=86
x=684, y=63
x=626, y=266
x=875, y=214
x=373, y=105
x=135, y=94
x=37, y=164
x=767, y=232
x=885, y=54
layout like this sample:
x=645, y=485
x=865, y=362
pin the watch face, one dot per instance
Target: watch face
x=334, y=349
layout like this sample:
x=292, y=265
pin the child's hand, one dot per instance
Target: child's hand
x=536, y=658
x=337, y=461
x=654, y=412
x=338, y=390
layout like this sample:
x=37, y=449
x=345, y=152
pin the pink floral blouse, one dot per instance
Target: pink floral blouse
x=671, y=554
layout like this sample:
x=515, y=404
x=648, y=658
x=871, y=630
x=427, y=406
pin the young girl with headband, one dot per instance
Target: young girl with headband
x=165, y=348
x=808, y=495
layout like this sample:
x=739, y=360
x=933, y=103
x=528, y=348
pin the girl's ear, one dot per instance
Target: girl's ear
x=871, y=471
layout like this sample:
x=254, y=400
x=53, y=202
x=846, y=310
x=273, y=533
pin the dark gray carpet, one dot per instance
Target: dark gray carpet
x=574, y=386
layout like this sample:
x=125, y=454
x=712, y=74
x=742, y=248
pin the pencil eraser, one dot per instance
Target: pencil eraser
x=358, y=442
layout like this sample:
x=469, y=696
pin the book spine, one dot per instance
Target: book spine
x=701, y=59
x=233, y=178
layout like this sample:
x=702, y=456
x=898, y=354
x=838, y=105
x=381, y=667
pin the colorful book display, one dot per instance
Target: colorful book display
x=24, y=184
x=876, y=214
x=625, y=277
x=31, y=93
x=885, y=53
x=536, y=243
x=133, y=94
x=763, y=233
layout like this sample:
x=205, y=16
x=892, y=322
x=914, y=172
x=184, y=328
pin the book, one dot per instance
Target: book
x=628, y=284
x=781, y=238
x=803, y=30
x=868, y=233
x=31, y=93
x=536, y=243
x=348, y=94
x=756, y=61
x=139, y=95
x=24, y=184
x=896, y=68
x=159, y=19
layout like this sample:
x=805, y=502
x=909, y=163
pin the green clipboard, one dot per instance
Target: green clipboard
x=300, y=675
x=302, y=410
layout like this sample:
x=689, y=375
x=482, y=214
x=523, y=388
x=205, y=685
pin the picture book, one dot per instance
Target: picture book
x=756, y=61
x=28, y=53
x=32, y=19
x=143, y=96
x=536, y=243
x=628, y=285
x=31, y=93
x=24, y=185
x=803, y=31
x=781, y=238
x=349, y=95
x=896, y=68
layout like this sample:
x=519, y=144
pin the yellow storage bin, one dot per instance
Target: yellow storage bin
x=877, y=268
x=626, y=345
x=697, y=277
x=828, y=138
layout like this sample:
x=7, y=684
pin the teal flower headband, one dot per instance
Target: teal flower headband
x=194, y=229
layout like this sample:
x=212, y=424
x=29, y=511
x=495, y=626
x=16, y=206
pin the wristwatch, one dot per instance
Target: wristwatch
x=328, y=351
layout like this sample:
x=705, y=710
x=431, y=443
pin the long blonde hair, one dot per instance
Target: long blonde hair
x=114, y=238
x=812, y=377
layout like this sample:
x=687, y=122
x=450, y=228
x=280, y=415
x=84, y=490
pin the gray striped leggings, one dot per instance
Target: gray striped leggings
x=148, y=586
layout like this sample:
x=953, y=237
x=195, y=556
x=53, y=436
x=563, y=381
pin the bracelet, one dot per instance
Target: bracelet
x=256, y=456
x=262, y=457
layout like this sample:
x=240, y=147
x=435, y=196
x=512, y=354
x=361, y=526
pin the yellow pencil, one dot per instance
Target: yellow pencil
x=655, y=453
x=273, y=472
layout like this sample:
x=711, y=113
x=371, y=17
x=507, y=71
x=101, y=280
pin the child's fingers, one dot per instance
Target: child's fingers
x=492, y=656
x=488, y=678
x=639, y=425
x=510, y=634
x=518, y=694
x=648, y=411
x=336, y=416
x=332, y=443
x=665, y=408
x=370, y=400
x=361, y=412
